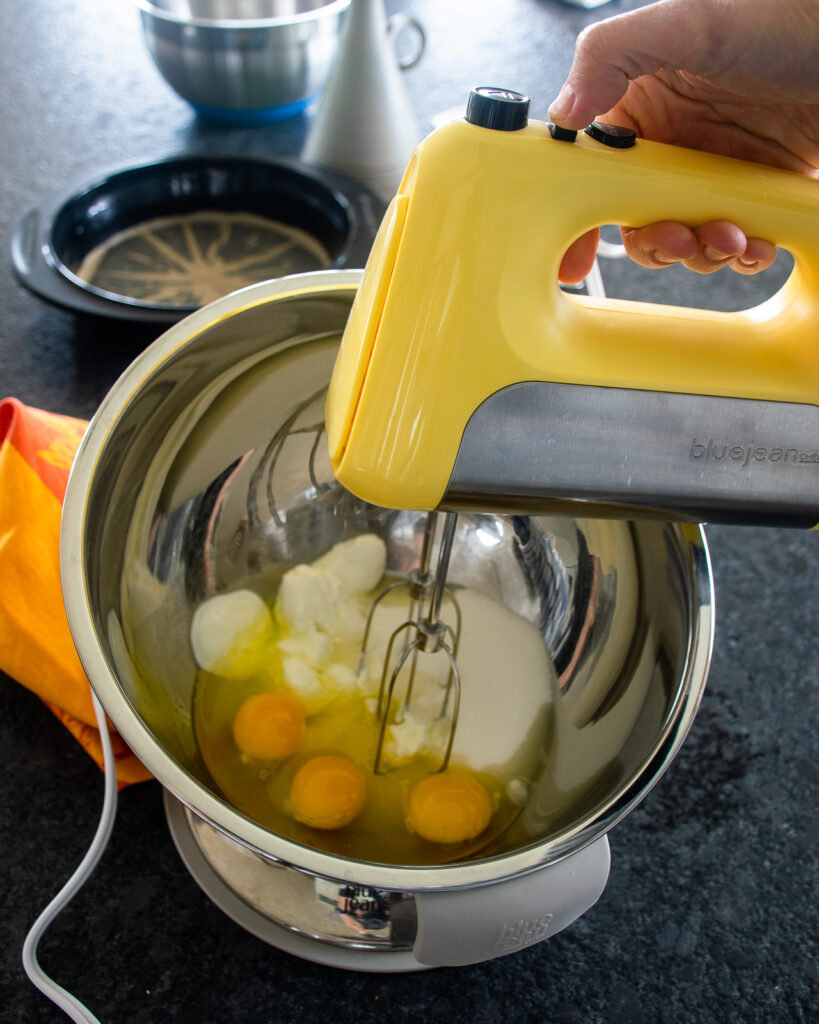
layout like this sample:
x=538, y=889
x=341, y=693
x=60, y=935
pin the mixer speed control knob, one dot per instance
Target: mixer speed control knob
x=499, y=109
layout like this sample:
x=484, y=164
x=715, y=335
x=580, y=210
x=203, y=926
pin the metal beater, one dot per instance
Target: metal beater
x=423, y=632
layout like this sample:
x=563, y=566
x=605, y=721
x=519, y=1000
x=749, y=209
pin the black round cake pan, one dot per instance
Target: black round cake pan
x=152, y=242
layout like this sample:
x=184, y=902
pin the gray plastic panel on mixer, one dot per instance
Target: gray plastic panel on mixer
x=566, y=447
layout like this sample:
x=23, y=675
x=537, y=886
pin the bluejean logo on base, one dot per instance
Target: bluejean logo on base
x=744, y=454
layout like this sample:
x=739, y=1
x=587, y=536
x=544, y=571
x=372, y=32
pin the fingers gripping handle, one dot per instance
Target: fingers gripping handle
x=769, y=352
x=467, y=926
x=653, y=181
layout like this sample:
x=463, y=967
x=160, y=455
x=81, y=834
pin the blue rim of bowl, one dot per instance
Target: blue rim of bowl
x=335, y=7
x=254, y=115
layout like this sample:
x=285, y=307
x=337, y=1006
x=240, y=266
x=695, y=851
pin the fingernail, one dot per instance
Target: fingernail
x=714, y=255
x=562, y=106
x=746, y=262
x=663, y=257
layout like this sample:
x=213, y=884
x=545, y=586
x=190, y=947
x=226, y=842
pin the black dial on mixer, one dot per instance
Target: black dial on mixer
x=499, y=109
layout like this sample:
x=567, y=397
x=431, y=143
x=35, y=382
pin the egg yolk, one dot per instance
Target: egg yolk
x=449, y=807
x=327, y=792
x=269, y=726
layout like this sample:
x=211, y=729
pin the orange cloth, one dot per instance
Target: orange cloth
x=36, y=452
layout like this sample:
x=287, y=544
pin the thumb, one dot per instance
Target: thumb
x=612, y=53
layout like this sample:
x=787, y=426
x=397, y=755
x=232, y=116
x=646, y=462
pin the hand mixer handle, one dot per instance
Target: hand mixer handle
x=460, y=306
x=770, y=352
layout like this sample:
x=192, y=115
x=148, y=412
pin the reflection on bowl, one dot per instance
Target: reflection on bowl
x=244, y=61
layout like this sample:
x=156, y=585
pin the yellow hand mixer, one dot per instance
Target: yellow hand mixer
x=467, y=379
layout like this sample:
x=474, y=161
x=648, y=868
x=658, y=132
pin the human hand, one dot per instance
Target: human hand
x=734, y=77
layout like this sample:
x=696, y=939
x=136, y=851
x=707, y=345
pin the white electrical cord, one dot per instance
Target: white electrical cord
x=58, y=995
x=594, y=283
x=611, y=250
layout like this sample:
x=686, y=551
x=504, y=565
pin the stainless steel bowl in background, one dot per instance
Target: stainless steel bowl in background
x=244, y=61
x=203, y=471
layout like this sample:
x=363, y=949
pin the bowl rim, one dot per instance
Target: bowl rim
x=328, y=10
x=34, y=261
x=193, y=164
x=216, y=811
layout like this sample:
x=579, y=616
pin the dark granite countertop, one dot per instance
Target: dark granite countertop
x=710, y=913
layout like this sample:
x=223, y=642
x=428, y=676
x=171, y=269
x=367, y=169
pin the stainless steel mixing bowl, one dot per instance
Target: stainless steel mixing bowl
x=202, y=471
x=244, y=61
